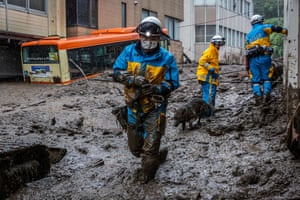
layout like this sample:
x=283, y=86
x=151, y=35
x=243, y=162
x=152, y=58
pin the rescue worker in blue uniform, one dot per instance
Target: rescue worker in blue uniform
x=258, y=57
x=149, y=73
x=208, y=71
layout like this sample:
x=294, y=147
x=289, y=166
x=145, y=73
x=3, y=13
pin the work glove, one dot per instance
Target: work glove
x=128, y=79
x=206, y=65
x=139, y=81
x=149, y=89
x=210, y=68
x=123, y=77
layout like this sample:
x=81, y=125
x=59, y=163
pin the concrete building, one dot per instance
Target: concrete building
x=33, y=19
x=205, y=18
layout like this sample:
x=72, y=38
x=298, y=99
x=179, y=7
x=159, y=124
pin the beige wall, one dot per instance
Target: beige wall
x=2, y=19
x=177, y=50
x=57, y=17
x=200, y=13
x=23, y=25
x=110, y=13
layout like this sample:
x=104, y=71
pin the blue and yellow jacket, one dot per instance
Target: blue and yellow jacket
x=208, y=60
x=260, y=34
x=157, y=68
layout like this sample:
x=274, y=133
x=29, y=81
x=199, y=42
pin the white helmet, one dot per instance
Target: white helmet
x=218, y=40
x=152, y=20
x=257, y=19
x=150, y=26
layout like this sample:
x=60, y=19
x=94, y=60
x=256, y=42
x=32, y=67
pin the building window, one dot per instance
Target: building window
x=241, y=6
x=200, y=33
x=123, y=15
x=234, y=38
x=205, y=33
x=172, y=25
x=210, y=32
x=21, y=3
x=222, y=31
x=205, y=2
x=27, y=5
x=229, y=37
x=82, y=13
x=37, y=5
x=225, y=34
x=247, y=9
x=146, y=13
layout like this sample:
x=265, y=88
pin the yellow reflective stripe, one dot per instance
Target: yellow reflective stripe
x=261, y=42
x=134, y=67
x=271, y=72
x=155, y=74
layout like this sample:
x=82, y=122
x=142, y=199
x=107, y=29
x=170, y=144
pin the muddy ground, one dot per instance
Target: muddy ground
x=240, y=153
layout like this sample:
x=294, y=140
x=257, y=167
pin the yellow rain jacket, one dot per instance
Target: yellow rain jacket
x=208, y=60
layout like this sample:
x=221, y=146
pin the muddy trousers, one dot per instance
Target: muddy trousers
x=209, y=95
x=261, y=70
x=144, y=139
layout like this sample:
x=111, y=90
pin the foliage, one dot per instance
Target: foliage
x=276, y=38
x=268, y=8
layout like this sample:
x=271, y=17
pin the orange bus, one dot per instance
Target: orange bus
x=64, y=60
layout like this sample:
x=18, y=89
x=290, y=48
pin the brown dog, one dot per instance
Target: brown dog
x=195, y=109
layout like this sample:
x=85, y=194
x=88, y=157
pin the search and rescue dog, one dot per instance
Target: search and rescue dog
x=195, y=109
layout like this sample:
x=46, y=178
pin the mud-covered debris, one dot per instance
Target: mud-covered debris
x=97, y=163
x=56, y=154
x=22, y=165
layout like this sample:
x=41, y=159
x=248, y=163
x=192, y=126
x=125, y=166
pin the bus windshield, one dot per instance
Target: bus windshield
x=40, y=54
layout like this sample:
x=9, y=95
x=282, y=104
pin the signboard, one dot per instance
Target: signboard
x=40, y=71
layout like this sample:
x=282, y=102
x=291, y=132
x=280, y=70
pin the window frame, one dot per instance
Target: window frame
x=78, y=16
x=26, y=7
x=146, y=13
x=123, y=14
x=172, y=25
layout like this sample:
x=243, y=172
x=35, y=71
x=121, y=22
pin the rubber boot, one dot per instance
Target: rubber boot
x=258, y=100
x=266, y=99
x=150, y=165
x=163, y=153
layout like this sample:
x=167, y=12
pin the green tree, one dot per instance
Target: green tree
x=268, y=8
x=276, y=38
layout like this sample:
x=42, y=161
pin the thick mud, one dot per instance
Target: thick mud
x=240, y=153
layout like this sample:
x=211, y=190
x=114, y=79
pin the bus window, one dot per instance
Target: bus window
x=94, y=59
x=40, y=54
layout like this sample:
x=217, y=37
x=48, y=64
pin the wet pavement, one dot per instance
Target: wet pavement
x=240, y=153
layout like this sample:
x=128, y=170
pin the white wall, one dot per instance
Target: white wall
x=187, y=29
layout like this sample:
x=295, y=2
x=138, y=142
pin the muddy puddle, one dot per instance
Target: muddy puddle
x=240, y=153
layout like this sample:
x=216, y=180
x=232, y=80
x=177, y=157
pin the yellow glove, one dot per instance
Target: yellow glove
x=285, y=31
